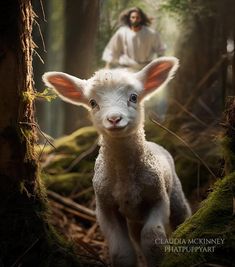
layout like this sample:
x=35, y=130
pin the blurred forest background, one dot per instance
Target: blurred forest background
x=186, y=118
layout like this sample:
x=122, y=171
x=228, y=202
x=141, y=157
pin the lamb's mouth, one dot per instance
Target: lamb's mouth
x=116, y=128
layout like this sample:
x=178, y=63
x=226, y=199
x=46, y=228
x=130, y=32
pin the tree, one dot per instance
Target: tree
x=26, y=237
x=81, y=21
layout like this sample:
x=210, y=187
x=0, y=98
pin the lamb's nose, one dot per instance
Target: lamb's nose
x=114, y=118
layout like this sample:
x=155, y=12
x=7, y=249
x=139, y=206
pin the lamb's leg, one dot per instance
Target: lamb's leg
x=179, y=207
x=114, y=227
x=153, y=234
x=134, y=229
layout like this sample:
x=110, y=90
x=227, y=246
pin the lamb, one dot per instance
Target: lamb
x=138, y=193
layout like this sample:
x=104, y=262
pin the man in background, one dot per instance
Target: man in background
x=134, y=44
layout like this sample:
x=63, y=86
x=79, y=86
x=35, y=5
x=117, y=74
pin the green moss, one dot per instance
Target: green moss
x=214, y=219
x=60, y=174
x=76, y=142
x=69, y=182
x=229, y=156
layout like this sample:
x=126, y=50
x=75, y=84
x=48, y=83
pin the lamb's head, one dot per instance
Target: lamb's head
x=114, y=97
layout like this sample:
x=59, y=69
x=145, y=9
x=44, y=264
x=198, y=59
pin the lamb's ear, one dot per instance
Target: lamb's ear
x=156, y=74
x=69, y=88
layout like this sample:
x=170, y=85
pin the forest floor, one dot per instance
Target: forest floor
x=78, y=227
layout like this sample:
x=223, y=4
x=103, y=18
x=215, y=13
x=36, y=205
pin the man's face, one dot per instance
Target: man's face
x=135, y=19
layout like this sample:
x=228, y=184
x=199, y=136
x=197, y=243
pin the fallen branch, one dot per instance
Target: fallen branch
x=72, y=211
x=26, y=251
x=81, y=193
x=88, y=248
x=87, y=238
x=71, y=204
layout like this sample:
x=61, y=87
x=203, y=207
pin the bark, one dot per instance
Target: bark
x=17, y=158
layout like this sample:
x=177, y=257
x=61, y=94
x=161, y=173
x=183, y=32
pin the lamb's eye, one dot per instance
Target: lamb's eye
x=93, y=103
x=133, y=98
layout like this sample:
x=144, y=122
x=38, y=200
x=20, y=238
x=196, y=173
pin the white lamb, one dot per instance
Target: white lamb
x=138, y=193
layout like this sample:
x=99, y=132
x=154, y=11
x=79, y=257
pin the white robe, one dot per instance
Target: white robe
x=133, y=49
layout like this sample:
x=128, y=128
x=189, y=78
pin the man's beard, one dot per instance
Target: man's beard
x=135, y=24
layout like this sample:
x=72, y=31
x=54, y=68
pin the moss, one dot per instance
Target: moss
x=215, y=219
x=229, y=156
x=69, y=182
x=78, y=141
x=58, y=174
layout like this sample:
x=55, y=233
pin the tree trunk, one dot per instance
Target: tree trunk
x=81, y=27
x=26, y=237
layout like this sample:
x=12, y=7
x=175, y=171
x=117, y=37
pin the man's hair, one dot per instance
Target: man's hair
x=124, y=18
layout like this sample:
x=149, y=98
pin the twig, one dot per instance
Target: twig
x=72, y=211
x=70, y=203
x=26, y=251
x=98, y=243
x=34, y=124
x=91, y=251
x=40, y=58
x=226, y=125
x=40, y=32
x=44, y=145
x=204, y=80
x=189, y=113
x=43, y=12
x=82, y=156
x=186, y=144
x=83, y=192
x=87, y=238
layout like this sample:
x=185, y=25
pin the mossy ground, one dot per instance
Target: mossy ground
x=215, y=219
x=59, y=172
